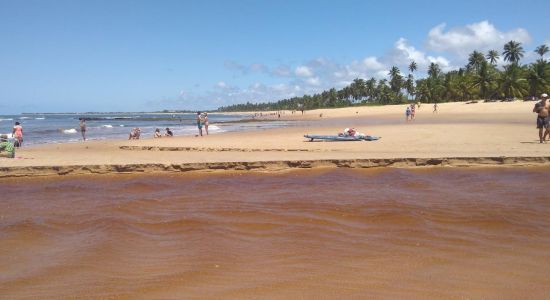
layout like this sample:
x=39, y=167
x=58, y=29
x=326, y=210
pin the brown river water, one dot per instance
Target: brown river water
x=442, y=233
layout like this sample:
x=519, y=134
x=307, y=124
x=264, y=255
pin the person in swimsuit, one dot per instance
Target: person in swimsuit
x=157, y=134
x=408, y=113
x=18, y=134
x=83, y=128
x=541, y=109
x=169, y=132
x=199, y=122
x=206, y=122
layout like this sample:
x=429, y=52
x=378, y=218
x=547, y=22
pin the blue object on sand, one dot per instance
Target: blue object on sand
x=340, y=138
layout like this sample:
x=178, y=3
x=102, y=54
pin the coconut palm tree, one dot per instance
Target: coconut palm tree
x=434, y=70
x=484, y=79
x=492, y=56
x=396, y=82
x=513, y=52
x=413, y=66
x=512, y=83
x=541, y=50
x=409, y=85
x=475, y=60
x=538, y=77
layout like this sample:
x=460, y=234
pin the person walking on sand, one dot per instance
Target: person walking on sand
x=83, y=128
x=206, y=122
x=435, y=108
x=408, y=113
x=199, y=123
x=541, y=109
x=413, y=111
x=18, y=134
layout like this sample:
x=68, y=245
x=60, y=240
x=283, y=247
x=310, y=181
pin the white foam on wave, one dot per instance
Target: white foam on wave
x=6, y=120
x=39, y=118
x=69, y=131
x=107, y=126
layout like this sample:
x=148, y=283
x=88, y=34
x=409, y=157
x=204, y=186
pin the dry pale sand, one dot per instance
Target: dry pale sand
x=459, y=134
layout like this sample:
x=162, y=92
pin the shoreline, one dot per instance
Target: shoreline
x=460, y=134
x=273, y=166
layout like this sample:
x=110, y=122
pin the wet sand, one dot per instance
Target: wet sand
x=460, y=233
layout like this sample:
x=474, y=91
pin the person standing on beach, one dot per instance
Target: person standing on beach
x=435, y=107
x=206, y=122
x=413, y=111
x=83, y=128
x=541, y=109
x=199, y=123
x=18, y=134
x=408, y=113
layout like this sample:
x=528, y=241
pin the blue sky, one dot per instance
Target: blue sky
x=60, y=56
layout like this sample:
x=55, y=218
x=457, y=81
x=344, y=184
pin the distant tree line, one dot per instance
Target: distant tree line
x=480, y=78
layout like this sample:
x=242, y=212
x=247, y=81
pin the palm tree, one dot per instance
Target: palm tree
x=475, y=60
x=434, y=70
x=512, y=83
x=409, y=85
x=484, y=79
x=538, y=77
x=492, y=56
x=396, y=82
x=541, y=50
x=513, y=52
x=413, y=66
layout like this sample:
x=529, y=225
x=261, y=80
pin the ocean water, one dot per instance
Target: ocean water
x=444, y=233
x=58, y=128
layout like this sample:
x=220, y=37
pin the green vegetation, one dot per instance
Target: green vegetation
x=479, y=79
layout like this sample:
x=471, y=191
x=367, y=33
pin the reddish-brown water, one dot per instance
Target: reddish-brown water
x=387, y=233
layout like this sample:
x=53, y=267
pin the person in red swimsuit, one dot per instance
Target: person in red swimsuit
x=18, y=134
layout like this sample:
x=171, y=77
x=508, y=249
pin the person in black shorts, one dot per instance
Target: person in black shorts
x=543, y=121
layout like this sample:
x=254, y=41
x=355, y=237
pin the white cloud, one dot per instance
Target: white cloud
x=315, y=81
x=221, y=84
x=482, y=36
x=303, y=71
x=372, y=63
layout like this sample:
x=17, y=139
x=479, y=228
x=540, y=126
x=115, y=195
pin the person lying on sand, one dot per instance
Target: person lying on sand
x=6, y=147
x=352, y=132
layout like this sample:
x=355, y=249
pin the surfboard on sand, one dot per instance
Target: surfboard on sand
x=313, y=137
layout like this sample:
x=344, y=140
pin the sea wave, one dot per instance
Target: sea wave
x=107, y=126
x=9, y=119
x=69, y=131
x=40, y=118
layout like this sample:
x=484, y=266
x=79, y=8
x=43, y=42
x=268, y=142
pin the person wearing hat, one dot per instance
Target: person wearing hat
x=6, y=147
x=541, y=108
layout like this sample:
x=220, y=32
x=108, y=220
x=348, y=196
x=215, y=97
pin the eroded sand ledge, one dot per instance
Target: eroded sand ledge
x=271, y=166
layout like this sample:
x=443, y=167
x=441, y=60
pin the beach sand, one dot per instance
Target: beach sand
x=459, y=134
